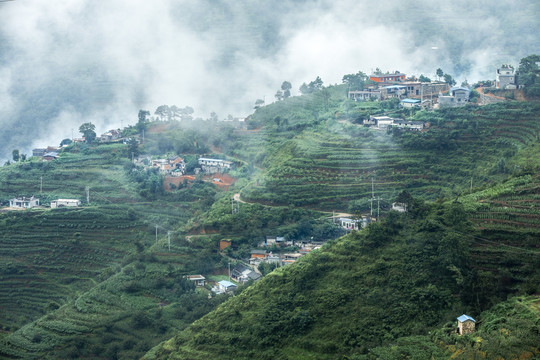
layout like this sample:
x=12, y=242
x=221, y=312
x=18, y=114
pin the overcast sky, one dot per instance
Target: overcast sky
x=66, y=62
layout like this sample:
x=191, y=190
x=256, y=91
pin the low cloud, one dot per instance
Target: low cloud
x=67, y=62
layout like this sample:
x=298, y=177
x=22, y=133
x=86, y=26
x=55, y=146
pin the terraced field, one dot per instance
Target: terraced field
x=336, y=171
x=47, y=256
x=509, y=221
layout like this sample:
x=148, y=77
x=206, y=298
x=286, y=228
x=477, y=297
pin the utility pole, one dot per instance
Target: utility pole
x=372, y=196
x=156, y=233
x=471, y=183
x=41, y=186
x=87, y=195
x=169, y=235
x=142, y=136
x=234, y=206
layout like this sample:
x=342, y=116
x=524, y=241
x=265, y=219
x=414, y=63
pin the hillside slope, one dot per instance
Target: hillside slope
x=406, y=276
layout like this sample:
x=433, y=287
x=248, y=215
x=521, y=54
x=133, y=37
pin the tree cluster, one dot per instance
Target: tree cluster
x=313, y=86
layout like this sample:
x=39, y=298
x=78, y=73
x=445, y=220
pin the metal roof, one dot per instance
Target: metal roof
x=411, y=101
x=226, y=283
x=464, y=318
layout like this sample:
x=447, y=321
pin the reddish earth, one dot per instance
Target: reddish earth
x=154, y=129
x=223, y=181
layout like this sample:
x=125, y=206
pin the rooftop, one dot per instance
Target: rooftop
x=464, y=318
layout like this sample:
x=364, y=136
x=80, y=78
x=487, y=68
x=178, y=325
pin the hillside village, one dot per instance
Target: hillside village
x=237, y=201
x=411, y=93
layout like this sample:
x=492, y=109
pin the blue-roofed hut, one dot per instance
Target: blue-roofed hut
x=466, y=324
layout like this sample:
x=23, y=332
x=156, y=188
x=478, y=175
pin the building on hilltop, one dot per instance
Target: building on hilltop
x=50, y=156
x=506, y=77
x=39, y=152
x=391, y=78
x=364, y=95
x=24, y=202
x=466, y=324
x=110, y=135
x=458, y=96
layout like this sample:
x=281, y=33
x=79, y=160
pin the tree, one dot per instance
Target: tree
x=286, y=87
x=316, y=84
x=186, y=113
x=16, y=155
x=440, y=73
x=528, y=70
x=355, y=81
x=529, y=74
x=163, y=111
x=133, y=148
x=423, y=78
x=304, y=89
x=142, y=124
x=449, y=80
x=279, y=95
x=214, y=117
x=259, y=103
x=65, y=142
x=88, y=131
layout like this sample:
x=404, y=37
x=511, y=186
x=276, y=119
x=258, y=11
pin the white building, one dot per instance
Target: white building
x=65, y=203
x=505, y=77
x=24, y=202
x=214, y=165
x=225, y=286
x=198, y=280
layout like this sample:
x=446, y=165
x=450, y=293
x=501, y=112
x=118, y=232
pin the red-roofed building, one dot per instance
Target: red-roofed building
x=387, y=78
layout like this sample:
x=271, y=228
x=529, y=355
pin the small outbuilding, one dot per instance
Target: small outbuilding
x=466, y=324
x=65, y=203
x=225, y=286
x=198, y=280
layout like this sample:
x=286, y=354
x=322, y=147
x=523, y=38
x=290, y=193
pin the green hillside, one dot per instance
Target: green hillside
x=331, y=165
x=406, y=276
x=99, y=282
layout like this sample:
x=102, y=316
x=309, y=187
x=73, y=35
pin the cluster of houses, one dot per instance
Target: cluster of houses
x=51, y=153
x=413, y=93
x=410, y=91
x=20, y=203
x=174, y=165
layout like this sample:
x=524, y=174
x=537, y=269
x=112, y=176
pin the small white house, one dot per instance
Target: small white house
x=198, y=280
x=401, y=207
x=410, y=103
x=24, y=202
x=65, y=203
x=225, y=286
x=505, y=77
